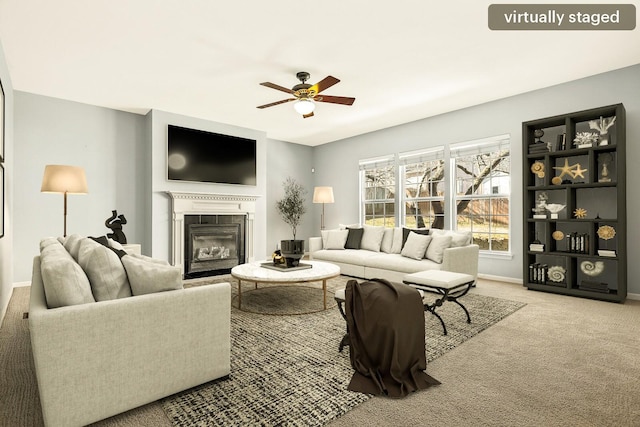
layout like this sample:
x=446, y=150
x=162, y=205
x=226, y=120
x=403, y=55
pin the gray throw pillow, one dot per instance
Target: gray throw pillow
x=387, y=240
x=47, y=241
x=458, y=238
x=416, y=246
x=65, y=283
x=149, y=277
x=396, y=246
x=435, y=251
x=105, y=271
x=72, y=245
x=115, y=245
x=149, y=259
x=354, y=238
x=336, y=239
x=406, y=231
x=372, y=238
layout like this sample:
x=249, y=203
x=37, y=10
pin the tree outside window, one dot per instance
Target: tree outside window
x=424, y=193
x=378, y=193
x=482, y=190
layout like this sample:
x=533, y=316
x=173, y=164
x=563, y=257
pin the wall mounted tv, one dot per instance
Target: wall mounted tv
x=199, y=156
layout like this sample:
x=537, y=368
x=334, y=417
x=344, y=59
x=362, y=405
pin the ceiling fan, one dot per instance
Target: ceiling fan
x=306, y=95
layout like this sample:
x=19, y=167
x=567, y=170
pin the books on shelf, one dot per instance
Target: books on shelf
x=538, y=148
x=536, y=247
x=562, y=142
x=606, y=252
x=538, y=272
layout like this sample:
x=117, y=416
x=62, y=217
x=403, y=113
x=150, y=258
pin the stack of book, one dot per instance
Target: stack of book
x=539, y=147
x=606, y=252
x=536, y=247
x=594, y=286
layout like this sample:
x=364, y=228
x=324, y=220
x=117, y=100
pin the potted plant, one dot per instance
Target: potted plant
x=291, y=208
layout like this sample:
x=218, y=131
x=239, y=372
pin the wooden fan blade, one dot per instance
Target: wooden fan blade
x=276, y=103
x=276, y=87
x=335, y=99
x=308, y=115
x=324, y=84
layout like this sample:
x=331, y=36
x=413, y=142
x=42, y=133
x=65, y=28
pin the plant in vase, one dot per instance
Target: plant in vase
x=603, y=126
x=291, y=209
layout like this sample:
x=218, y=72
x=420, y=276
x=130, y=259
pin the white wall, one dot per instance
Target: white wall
x=107, y=143
x=160, y=200
x=6, y=242
x=336, y=163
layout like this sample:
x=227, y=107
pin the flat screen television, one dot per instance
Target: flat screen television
x=200, y=156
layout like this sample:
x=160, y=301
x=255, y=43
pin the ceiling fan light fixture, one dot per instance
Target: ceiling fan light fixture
x=304, y=106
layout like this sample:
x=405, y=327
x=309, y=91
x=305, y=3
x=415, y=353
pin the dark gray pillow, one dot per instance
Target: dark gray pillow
x=354, y=238
x=406, y=231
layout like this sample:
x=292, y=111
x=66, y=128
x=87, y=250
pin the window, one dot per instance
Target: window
x=475, y=177
x=378, y=191
x=481, y=173
x=423, y=188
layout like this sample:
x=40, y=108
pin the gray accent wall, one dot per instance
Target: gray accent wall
x=124, y=157
x=105, y=142
x=6, y=242
x=289, y=160
x=336, y=163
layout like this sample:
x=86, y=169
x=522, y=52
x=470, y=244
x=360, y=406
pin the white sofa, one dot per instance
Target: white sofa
x=385, y=260
x=97, y=359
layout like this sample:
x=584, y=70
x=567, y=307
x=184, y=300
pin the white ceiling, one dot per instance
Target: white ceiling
x=402, y=60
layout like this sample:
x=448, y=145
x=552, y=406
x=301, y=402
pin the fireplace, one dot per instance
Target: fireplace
x=221, y=212
x=213, y=244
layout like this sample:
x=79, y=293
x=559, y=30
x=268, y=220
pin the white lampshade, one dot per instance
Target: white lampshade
x=323, y=195
x=64, y=179
x=304, y=106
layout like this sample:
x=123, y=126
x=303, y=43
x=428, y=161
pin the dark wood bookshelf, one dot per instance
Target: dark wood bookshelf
x=599, y=189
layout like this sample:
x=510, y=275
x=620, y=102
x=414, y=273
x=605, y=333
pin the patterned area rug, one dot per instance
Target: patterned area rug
x=286, y=370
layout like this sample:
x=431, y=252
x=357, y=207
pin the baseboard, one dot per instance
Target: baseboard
x=519, y=282
x=500, y=278
x=21, y=284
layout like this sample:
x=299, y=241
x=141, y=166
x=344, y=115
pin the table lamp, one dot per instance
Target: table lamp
x=322, y=195
x=66, y=180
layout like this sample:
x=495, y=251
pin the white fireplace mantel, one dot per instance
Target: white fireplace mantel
x=183, y=203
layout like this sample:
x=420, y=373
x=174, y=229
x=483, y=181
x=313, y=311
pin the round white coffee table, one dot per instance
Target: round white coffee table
x=255, y=273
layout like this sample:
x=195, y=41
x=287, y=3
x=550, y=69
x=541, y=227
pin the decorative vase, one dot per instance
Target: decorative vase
x=292, y=250
x=604, y=139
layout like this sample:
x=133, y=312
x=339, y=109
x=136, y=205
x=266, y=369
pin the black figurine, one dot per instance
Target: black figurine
x=116, y=226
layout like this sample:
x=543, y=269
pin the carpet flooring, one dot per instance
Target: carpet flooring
x=286, y=370
x=559, y=361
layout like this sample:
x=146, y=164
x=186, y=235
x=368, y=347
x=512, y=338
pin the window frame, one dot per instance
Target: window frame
x=435, y=154
x=449, y=153
x=381, y=162
x=477, y=147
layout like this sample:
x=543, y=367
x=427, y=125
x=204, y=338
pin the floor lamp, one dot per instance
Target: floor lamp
x=322, y=195
x=65, y=180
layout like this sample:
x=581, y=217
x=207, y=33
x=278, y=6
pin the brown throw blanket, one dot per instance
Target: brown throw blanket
x=386, y=332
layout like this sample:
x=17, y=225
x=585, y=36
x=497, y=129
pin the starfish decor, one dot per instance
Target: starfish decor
x=567, y=170
x=579, y=172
